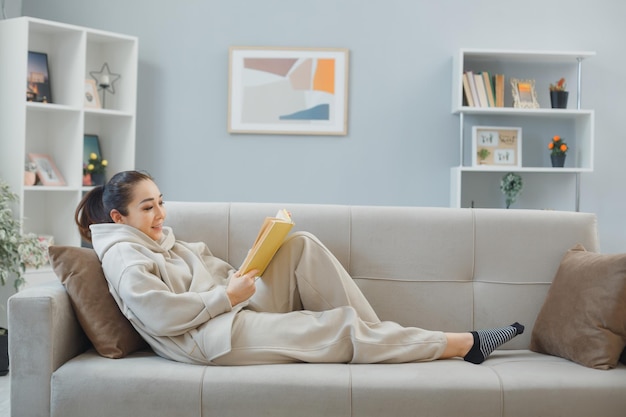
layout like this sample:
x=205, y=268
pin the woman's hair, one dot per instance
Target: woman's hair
x=96, y=205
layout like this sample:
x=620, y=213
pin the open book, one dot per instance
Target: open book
x=268, y=241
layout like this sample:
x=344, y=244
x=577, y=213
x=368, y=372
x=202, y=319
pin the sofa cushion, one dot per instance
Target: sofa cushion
x=583, y=318
x=80, y=271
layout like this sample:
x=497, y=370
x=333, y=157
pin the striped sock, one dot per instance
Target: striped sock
x=486, y=341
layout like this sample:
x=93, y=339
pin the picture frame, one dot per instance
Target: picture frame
x=524, y=94
x=92, y=98
x=290, y=91
x=91, y=144
x=47, y=171
x=496, y=147
x=38, y=78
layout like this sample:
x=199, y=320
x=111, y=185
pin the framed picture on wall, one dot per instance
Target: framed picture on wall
x=288, y=90
x=47, y=171
x=38, y=80
x=496, y=147
x=524, y=94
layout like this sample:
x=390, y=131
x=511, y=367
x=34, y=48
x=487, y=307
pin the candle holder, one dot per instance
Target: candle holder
x=105, y=80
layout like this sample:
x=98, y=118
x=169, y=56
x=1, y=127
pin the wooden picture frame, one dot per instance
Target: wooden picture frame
x=38, y=78
x=496, y=147
x=274, y=90
x=91, y=98
x=47, y=171
x=524, y=94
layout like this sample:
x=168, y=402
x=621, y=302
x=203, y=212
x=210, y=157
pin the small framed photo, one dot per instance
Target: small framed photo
x=276, y=90
x=496, y=147
x=38, y=80
x=524, y=94
x=92, y=99
x=47, y=171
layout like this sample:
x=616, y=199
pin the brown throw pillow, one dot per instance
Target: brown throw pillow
x=80, y=271
x=583, y=318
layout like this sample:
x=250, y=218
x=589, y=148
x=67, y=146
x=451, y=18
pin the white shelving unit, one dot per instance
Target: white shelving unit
x=576, y=125
x=57, y=128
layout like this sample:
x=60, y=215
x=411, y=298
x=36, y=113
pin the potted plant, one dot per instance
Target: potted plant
x=17, y=250
x=96, y=169
x=511, y=185
x=558, y=151
x=558, y=94
x=482, y=154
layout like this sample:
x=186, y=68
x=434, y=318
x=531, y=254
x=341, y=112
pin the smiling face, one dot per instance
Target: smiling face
x=146, y=210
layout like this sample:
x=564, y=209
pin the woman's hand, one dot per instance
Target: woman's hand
x=241, y=287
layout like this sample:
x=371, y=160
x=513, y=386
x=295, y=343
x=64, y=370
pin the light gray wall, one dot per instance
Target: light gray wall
x=402, y=137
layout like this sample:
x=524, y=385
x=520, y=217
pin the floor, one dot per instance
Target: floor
x=5, y=395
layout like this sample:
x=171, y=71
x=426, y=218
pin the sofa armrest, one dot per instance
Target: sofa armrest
x=43, y=334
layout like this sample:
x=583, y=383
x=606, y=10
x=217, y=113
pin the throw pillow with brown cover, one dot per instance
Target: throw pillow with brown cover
x=80, y=271
x=583, y=318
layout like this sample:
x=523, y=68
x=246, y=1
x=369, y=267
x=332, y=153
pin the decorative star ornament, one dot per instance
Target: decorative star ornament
x=105, y=79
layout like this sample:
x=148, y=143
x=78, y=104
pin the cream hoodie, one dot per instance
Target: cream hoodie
x=173, y=293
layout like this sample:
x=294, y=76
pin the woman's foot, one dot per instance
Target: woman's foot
x=486, y=341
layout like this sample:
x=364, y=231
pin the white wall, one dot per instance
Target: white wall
x=402, y=137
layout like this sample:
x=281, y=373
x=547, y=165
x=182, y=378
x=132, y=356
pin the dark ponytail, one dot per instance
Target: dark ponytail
x=96, y=205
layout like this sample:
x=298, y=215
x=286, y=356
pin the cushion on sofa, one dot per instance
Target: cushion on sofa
x=80, y=271
x=583, y=318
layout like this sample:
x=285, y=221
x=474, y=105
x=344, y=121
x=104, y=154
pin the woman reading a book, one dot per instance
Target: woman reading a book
x=193, y=307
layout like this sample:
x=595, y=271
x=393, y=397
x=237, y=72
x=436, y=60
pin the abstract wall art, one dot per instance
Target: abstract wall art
x=288, y=90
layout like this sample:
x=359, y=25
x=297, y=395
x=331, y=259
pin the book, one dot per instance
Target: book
x=489, y=89
x=480, y=89
x=271, y=236
x=472, y=83
x=468, y=91
x=499, y=89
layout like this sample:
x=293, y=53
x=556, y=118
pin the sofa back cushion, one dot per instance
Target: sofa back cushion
x=436, y=268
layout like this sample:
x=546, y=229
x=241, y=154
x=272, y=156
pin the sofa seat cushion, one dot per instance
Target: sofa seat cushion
x=536, y=384
x=141, y=384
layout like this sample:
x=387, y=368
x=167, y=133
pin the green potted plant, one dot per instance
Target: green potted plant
x=511, y=185
x=96, y=168
x=559, y=94
x=17, y=250
x=558, y=151
x=482, y=154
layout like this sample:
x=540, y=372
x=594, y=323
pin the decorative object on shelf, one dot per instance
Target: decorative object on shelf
x=558, y=94
x=47, y=171
x=558, y=151
x=96, y=169
x=105, y=79
x=511, y=185
x=482, y=154
x=494, y=146
x=30, y=173
x=16, y=247
x=288, y=90
x=92, y=98
x=524, y=94
x=38, y=81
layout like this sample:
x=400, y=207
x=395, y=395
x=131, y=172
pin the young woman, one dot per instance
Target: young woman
x=193, y=307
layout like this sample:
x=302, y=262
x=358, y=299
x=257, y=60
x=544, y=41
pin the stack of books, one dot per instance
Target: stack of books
x=483, y=90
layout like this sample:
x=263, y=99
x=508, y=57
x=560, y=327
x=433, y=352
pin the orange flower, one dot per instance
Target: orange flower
x=551, y=145
x=557, y=146
x=563, y=148
x=556, y=138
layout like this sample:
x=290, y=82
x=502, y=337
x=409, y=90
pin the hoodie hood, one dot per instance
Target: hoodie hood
x=105, y=235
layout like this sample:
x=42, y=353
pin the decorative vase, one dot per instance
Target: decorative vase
x=87, y=179
x=97, y=179
x=558, y=161
x=558, y=99
x=30, y=178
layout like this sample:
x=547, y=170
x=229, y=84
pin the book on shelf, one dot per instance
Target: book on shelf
x=498, y=86
x=271, y=236
x=467, y=91
x=480, y=89
x=472, y=83
x=489, y=89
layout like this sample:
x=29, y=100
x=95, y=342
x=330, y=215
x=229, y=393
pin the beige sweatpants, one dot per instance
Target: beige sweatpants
x=307, y=308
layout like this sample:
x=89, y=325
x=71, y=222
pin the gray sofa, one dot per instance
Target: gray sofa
x=437, y=268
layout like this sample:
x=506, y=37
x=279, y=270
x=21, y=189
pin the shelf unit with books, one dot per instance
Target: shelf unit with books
x=469, y=181
x=56, y=128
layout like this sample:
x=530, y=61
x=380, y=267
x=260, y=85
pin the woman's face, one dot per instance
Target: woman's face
x=146, y=210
